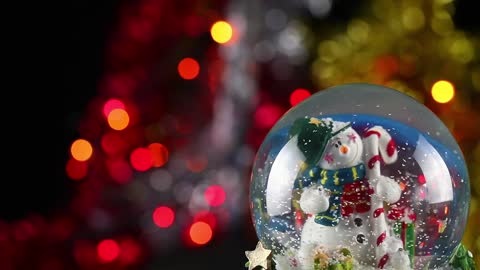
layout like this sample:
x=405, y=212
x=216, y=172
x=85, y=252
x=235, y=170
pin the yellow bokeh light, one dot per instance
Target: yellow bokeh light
x=81, y=150
x=443, y=91
x=118, y=119
x=221, y=32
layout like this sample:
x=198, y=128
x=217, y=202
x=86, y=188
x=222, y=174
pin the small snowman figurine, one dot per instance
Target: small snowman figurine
x=343, y=194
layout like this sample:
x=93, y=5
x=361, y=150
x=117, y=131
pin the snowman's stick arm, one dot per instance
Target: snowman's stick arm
x=377, y=212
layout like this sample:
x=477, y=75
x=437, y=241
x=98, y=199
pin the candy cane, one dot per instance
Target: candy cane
x=378, y=145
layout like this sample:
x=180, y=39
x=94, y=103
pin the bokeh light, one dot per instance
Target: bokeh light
x=443, y=91
x=81, y=150
x=85, y=253
x=215, y=195
x=207, y=217
x=141, y=159
x=120, y=171
x=113, y=143
x=266, y=115
x=76, y=170
x=159, y=154
x=108, y=250
x=188, y=68
x=298, y=95
x=163, y=217
x=221, y=32
x=130, y=251
x=118, y=119
x=161, y=180
x=111, y=105
x=200, y=233
x=197, y=163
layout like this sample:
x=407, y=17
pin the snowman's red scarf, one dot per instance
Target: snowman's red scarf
x=348, y=188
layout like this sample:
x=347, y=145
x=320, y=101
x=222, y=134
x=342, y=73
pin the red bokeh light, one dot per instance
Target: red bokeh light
x=207, y=217
x=76, y=170
x=23, y=230
x=121, y=84
x=84, y=253
x=163, y=216
x=111, y=105
x=215, y=195
x=108, y=250
x=421, y=179
x=130, y=251
x=386, y=66
x=200, y=233
x=159, y=154
x=141, y=159
x=298, y=95
x=266, y=115
x=188, y=68
x=120, y=171
x=113, y=143
x=140, y=29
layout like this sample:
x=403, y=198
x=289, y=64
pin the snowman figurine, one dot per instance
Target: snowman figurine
x=343, y=194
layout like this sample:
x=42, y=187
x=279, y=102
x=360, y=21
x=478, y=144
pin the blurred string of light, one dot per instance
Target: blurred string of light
x=191, y=189
x=151, y=166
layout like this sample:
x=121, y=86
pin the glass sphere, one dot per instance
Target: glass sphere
x=360, y=176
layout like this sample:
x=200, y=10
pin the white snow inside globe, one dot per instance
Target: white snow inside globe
x=360, y=176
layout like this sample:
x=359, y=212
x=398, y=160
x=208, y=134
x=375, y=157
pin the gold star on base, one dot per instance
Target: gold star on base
x=258, y=257
x=315, y=121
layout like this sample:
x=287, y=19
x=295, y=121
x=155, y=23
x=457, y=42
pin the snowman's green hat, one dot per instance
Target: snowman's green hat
x=313, y=136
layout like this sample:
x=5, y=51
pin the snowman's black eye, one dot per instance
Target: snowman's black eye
x=336, y=145
x=339, y=143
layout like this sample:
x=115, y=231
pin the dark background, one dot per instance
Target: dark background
x=67, y=65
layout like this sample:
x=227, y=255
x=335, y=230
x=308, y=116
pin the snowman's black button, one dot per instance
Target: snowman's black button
x=360, y=238
x=358, y=222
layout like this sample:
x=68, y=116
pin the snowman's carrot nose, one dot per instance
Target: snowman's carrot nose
x=344, y=149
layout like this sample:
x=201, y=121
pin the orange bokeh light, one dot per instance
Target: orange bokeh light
x=81, y=150
x=118, y=119
x=200, y=233
x=188, y=68
x=159, y=154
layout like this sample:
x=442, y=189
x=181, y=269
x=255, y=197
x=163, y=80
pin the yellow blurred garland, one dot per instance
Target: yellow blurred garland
x=409, y=45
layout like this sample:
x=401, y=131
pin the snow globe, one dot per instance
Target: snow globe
x=359, y=176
